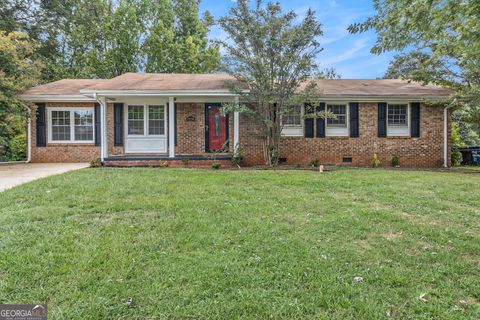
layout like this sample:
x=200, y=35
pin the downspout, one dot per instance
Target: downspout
x=29, y=136
x=445, y=136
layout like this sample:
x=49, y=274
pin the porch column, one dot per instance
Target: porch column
x=236, y=127
x=171, y=127
x=103, y=130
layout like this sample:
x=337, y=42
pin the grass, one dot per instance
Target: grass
x=166, y=243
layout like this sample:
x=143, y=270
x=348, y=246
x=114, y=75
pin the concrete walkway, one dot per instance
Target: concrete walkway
x=15, y=174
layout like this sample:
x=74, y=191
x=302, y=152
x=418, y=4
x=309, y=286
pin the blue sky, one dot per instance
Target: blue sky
x=348, y=54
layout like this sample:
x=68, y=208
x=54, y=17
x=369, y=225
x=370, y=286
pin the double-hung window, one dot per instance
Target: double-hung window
x=398, y=123
x=146, y=120
x=338, y=124
x=292, y=122
x=71, y=125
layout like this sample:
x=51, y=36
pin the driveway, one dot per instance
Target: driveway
x=15, y=174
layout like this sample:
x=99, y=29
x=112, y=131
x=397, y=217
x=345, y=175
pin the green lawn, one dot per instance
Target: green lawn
x=244, y=244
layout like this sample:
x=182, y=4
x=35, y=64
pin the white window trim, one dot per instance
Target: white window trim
x=72, y=125
x=294, y=130
x=345, y=130
x=146, y=120
x=403, y=128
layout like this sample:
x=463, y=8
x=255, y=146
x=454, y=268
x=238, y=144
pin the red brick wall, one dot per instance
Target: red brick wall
x=190, y=134
x=425, y=151
x=112, y=149
x=55, y=152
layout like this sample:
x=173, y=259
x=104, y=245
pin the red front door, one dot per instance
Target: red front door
x=217, y=130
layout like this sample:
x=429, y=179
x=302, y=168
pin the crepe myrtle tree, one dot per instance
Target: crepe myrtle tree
x=271, y=55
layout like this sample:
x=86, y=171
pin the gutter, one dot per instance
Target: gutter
x=445, y=136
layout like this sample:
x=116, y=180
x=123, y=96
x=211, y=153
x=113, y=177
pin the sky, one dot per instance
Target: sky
x=348, y=53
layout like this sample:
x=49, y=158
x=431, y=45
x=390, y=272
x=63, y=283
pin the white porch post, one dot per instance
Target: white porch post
x=171, y=127
x=103, y=130
x=236, y=127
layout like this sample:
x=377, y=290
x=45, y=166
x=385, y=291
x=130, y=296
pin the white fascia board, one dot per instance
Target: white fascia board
x=56, y=98
x=383, y=98
x=160, y=93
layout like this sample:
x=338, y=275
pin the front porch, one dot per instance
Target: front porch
x=160, y=131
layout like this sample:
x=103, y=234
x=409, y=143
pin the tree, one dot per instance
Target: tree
x=17, y=72
x=405, y=66
x=105, y=38
x=178, y=39
x=444, y=38
x=270, y=55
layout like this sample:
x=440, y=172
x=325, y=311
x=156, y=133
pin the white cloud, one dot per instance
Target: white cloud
x=356, y=47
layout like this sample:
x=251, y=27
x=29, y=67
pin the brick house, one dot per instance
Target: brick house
x=145, y=119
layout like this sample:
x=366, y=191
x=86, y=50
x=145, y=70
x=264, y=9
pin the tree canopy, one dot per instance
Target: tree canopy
x=18, y=71
x=105, y=38
x=439, y=41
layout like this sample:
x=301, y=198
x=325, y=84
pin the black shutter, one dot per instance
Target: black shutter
x=308, y=122
x=97, y=124
x=40, y=124
x=354, y=121
x=321, y=121
x=415, y=119
x=382, y=119
x=118, y=124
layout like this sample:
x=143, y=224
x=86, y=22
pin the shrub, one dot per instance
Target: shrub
x=16, y=149
x=216, y=165
x=95, y=163
x=185, y=162
x=314, y=163
x=164, y=164
x=238, y=158
x=375, y=162
x=395, y=161
x=456, y=157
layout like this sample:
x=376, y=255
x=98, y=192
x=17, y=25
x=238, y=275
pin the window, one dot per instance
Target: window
x=337, y=126
x=83, y=125
x=146, y=120
x=70, y=125
x=60, y=125
x=217, y=124
x=292, y=122
x=156, y=120
x=135, y=120
x=398, y=120
x=397, y=115
x=340, y=112
x=293, y=118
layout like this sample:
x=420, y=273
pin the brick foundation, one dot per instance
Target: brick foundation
x=168, y=163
